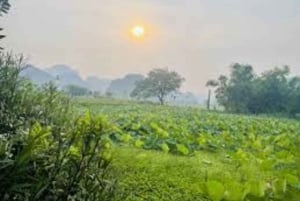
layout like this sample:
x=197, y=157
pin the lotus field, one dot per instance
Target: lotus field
x=182, y=153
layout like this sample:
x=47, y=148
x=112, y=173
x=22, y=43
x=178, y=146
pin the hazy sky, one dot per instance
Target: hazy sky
x=197, y=38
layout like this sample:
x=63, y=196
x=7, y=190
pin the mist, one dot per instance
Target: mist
x=198, y=39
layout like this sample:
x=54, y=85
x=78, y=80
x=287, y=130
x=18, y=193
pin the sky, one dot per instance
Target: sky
x=199, y=39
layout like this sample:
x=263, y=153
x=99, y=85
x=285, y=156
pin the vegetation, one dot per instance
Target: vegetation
x=274, y=91
x=122, y=87
x=159, y=84
x=4, y=8
x=46, y=152
x=51, y=150
x=198, y=155
x=74, y=90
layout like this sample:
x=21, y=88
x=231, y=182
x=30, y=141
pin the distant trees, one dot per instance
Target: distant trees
x=274, y=91
x=121, y=88
x=75, y=90
x=159, y=83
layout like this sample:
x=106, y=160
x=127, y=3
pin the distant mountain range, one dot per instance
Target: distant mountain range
x=36, y=75
x=124, y=86
x=64, y=76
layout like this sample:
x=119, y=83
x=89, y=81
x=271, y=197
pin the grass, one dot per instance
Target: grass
x=152, y=175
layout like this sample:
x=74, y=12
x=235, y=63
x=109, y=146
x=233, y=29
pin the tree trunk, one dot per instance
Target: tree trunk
x=161, y=100
x=208, y=99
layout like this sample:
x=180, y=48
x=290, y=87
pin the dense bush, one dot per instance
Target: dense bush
x=273, y=92
x=46, y=154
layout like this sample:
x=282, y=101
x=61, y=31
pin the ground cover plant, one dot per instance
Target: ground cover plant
x=201, y=155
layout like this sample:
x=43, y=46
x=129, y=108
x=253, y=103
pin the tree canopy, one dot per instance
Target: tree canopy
x=274, y=91
x=159, y=83
x=75, y=90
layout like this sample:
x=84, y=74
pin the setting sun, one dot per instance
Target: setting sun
x=138, y=31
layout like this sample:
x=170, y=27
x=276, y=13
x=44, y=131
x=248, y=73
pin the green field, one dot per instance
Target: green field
x=181, y=153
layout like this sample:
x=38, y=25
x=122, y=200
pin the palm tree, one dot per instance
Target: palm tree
x=210, y=84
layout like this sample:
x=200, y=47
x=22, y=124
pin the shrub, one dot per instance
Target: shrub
x=45, y=153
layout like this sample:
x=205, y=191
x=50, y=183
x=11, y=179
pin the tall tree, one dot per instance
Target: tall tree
x=234, y=93
x=294, y=96
x=159, y=83
x=210, y=84
x=240, y=87
x=221, y=91
x=274, y=90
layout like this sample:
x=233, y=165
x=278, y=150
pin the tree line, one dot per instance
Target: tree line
x=243, y=91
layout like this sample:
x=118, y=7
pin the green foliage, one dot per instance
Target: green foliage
x=253, y=158
x=159, y=83
x=272, y=92
x=4, y=8
x=182, y=149
x=58, y=166
x=257, y=188
x=11, y=93
x=165, y=148
x=150, y=175
x=45, y=153
x=74, y=90
x=215, y=190
x=22, y=104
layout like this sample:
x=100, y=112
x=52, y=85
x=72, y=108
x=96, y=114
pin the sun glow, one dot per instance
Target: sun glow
x=138, y=31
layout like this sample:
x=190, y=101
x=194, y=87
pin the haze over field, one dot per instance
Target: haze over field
x=197, y=38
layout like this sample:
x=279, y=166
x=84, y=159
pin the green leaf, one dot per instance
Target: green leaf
x=279, y=186
x=257, y=188
x=292, y=180
x=126, y=138
x=74, y=151
x=235, y=191
x=215, y=190
x=165, y=148
x=138, y=143
x=182, y=149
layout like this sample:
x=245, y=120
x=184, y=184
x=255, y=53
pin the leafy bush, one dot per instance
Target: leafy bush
x=57, y=166
x=22, y=104
x=46, y=154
